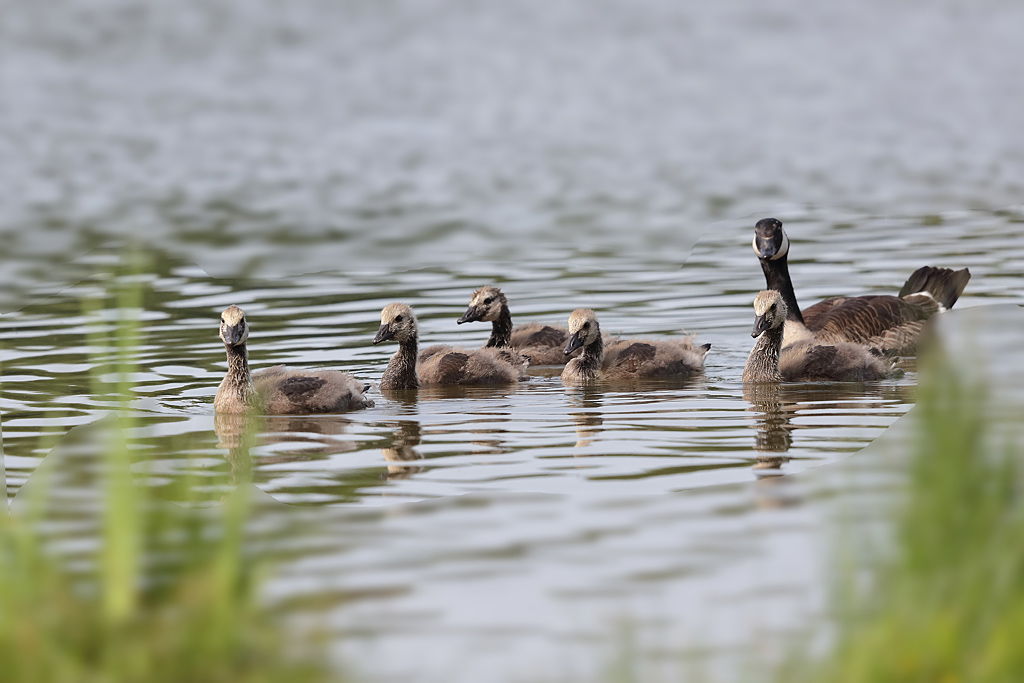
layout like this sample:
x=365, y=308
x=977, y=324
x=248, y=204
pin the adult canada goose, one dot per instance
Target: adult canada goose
x=541, y=344
x=892, y=323
x=438, y=365
x=278, y=390
x=626, y=358
x=804, y=360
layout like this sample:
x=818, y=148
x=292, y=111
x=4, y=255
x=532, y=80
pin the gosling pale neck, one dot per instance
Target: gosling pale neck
x=501, y=330
x=763, y=361
x=401, y=370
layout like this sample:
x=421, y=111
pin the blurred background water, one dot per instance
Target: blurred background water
x=311, y=161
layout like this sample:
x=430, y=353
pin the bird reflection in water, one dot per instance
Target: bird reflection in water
x=293, y=438
x=402, y=451
x=587, y=416
x=774, y=431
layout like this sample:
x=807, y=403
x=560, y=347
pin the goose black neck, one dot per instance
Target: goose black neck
x=776, y=277
x=401, y=370
x=501, y=330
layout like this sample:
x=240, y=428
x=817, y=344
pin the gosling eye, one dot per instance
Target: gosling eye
x=398, y=318
x=488, y=300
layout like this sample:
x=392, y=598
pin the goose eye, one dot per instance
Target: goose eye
x=398, y=318
x=488, y=300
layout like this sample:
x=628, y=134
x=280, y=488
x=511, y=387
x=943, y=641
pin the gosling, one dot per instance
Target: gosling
x=626, y=358
x=541, y=344
x=438, y=365
x=804, y=360
x=278, y=390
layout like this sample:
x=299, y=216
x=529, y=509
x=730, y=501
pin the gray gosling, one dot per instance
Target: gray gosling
x=541, y=344
x=626, y=358
x=891, y=323
x=804, y=360
x=278, y=390
x=438, y=365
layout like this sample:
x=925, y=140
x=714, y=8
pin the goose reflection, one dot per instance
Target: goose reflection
x=402, y=451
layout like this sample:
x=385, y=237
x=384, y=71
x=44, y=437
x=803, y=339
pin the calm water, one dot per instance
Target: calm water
x=314, y=162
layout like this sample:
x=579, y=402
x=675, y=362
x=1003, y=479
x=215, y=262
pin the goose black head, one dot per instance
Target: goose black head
x=769, y=312
x=233, y=328
x=484, y=306
x=583, y=329
x=397, y=322
x=771, y=242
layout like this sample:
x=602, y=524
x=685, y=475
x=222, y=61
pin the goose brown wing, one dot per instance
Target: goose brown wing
x=861, y=318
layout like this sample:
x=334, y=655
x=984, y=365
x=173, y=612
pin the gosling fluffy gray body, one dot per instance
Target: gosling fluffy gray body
x=804, y=360
x=439, y=365
x=541, y=344
x=279, y=390
x=626, y=358
x=892, y=323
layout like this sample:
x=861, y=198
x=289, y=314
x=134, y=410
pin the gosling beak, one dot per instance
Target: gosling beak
x=760, y=325
x=383, y=334
x=232, y=335
x=471, y=315
x=575, y=342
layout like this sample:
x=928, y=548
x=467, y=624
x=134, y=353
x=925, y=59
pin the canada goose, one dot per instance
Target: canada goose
x=804, y=360
x=887, y=322
x=541, y=344
x=278, y=390
x=439, y=364
x=626, y=358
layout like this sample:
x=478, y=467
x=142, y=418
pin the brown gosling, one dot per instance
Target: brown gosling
x=804, y=360
x=892, y=323
x=438, y=365
x=626, y=358
x=278, y=390
x=541, y=344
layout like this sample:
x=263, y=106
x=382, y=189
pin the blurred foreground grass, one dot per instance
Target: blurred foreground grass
x=102, y=582
x=946, y=602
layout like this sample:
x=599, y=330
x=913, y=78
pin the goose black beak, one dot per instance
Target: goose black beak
x=575, y=341
x=383, y=334
x=760, y=325
x=766, y=248
x=471, y=315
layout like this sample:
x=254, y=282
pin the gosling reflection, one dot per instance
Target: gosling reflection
x=773, y=418
x=402, y=451
x=291, y=438
x=587, y=417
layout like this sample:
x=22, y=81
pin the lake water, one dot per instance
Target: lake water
x=312, y=163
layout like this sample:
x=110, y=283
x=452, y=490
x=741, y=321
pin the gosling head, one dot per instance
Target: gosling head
x=583, y=329
x=397, y=322
x=233, y=329
x=484, y=306
x=769, y=312
x=770, y=241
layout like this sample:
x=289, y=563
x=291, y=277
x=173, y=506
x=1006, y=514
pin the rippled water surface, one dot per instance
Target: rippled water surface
x=313, y=161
